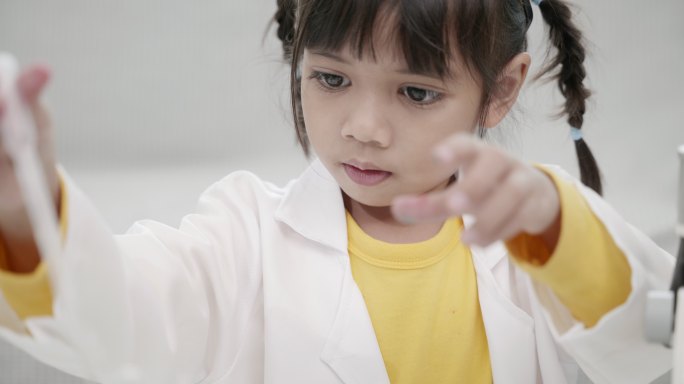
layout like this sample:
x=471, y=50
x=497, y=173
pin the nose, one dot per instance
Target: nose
x=368, y=123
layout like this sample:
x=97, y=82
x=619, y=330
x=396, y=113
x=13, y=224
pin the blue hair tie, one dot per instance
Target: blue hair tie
x=537, y=2
x=576, y=134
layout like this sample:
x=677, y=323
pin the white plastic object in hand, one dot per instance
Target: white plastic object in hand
x=659, y=318
x=19, y=137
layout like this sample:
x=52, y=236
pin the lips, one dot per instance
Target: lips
x=365, y=174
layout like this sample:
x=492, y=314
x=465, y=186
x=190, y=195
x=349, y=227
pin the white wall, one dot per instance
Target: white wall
x=158, y=83
x=154, y=81
x=153, y=100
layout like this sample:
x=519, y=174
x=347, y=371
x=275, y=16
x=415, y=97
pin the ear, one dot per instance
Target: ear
x=509, y=84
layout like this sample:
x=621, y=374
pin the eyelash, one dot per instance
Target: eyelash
x=436, y=96
x=322, y=79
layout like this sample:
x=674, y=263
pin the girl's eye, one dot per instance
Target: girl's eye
x=420, y=95
x=331, y=81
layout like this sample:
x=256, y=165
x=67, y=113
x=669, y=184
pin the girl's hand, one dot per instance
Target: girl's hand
x=504, y=195
x=13, y=220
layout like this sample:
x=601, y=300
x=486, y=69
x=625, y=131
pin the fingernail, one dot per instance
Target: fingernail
x=443, y=154
x=458, y=202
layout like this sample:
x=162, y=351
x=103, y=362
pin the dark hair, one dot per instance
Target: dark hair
x=487, y=34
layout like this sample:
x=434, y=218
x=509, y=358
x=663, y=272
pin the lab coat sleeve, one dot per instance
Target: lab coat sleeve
x=614, y=350
x=149, y=306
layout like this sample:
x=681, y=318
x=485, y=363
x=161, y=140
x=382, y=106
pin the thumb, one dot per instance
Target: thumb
x=32, y=82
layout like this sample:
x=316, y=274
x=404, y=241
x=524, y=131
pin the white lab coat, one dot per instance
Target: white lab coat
x=256, y=286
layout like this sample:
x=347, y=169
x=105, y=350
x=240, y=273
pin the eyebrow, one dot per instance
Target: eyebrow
x=403, y=71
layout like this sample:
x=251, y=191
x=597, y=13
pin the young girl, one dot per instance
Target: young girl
x=408, y=252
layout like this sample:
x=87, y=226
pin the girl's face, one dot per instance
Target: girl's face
x=373, y=114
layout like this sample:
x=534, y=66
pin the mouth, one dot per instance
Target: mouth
x=365, y=174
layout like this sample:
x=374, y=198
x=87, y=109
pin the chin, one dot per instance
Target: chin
x=369, y=199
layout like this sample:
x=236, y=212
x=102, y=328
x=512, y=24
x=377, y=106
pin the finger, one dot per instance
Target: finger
x=509, y=231
x=457, y=150
x=514, y=229
x=430, y=207
x=31, y=84
x=4, y=157
x=423, y=208
x=486, y=175
x=32, y=81
x=500, y=212
x=42, y=119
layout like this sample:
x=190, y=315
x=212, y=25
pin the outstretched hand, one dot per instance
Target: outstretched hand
x=504, y=195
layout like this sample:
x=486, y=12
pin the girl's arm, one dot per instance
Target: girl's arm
x=148, y=306
x=143, y=307
x=510, y=200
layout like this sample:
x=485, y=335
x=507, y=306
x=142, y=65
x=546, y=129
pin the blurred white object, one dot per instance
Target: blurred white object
x=659, y=317
x=678, y=338
x=19, y=137
x=664, y=324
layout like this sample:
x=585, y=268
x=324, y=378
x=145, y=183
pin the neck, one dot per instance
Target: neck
x=380, y=224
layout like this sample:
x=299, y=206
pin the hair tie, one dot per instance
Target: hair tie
x=576, y=134
x=537, y=2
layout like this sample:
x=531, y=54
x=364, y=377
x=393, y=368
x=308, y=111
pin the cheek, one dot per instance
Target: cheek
x=320, y=119
x=317, y=105
x=311, y=110
x=422, y=131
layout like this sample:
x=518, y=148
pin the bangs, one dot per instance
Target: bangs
x=420, y=30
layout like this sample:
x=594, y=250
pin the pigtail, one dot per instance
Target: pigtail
x=285, y=17
x=567, y=39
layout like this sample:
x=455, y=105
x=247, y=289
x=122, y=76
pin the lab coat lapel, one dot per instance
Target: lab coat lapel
x=510, y=331
x=352, y=349
x=314, y=208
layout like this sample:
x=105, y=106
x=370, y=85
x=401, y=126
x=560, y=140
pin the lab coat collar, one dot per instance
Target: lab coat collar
x=314, y=208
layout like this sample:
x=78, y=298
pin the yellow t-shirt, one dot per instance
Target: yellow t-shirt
x=423, y=302
x=422, y=297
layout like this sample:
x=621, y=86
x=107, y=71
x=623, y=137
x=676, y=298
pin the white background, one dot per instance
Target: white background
x=154, y=100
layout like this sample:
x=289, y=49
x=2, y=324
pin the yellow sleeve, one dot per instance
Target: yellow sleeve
x=30, y=294
x=586, y=271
